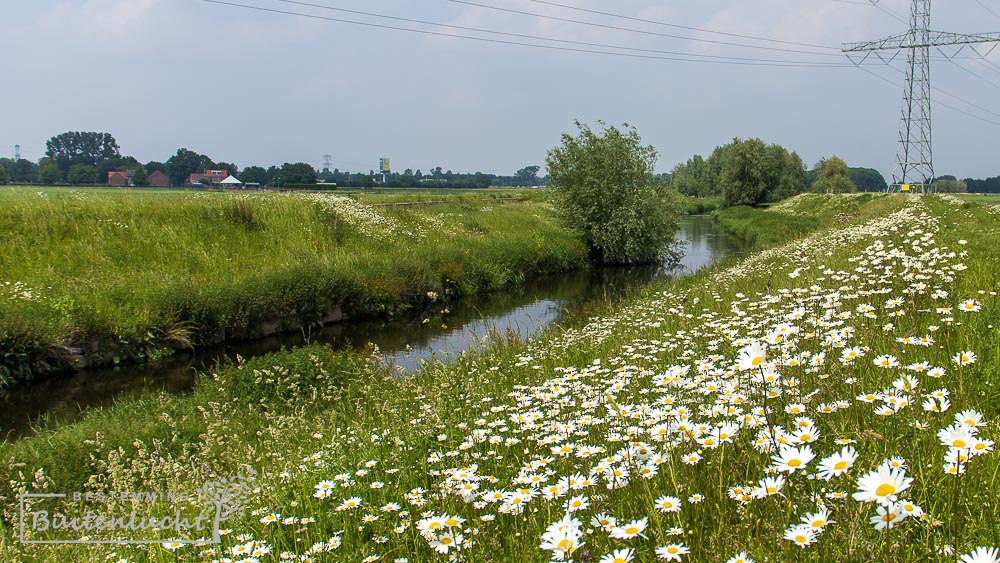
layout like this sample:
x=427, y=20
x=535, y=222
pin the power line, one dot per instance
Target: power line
x=875, y=4
x=640, y=31
x=952, y=96
x=973, y=73
x=987, y=8
x=535, y=37
x=939, y=102
x=654, y=22
x=758, y=63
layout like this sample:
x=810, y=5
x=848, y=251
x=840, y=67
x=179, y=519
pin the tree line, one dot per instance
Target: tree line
x=86, y=157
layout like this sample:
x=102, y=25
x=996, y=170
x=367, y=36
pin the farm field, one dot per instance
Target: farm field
x=101, y=276
x=834, y=397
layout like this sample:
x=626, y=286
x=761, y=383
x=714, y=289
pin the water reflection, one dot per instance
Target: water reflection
x=404, y=343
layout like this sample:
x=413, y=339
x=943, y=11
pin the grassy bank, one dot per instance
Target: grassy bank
x=103, y=276
x=793, y=217
x=881, y=349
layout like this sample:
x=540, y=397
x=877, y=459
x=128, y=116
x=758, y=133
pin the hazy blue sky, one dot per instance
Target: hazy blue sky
x=255, y=87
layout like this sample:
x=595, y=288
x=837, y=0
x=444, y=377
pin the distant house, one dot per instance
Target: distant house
x=120, y=178
x=208, y=177
x=158, y=179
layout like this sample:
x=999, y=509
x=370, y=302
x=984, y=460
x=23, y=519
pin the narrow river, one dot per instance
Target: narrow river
x=403, y=342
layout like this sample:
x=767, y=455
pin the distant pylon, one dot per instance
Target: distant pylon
x=327, y=162
x=914, y=159
x=17, y=153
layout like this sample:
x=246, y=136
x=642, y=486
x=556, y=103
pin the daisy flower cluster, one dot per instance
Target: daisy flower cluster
x=789, y=417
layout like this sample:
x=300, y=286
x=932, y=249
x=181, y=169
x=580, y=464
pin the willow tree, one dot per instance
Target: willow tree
x=603, y=188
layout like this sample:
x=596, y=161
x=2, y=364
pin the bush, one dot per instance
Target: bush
x=603, y=189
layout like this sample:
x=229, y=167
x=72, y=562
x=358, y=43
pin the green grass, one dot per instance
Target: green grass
x=108, y=275
x=303, y=417
x=987, y=199
x=792, y=217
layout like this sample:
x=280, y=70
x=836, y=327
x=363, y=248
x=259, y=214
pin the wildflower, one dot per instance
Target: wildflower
x=576, y=503
x=882, y=485
x=982, y=555
x=801, y=535
x=172, y=546
x=970, y=418
x=668, y=504
x=969, y=306
x=887, y=516
x=447, y=541
x=768, y=486
x=562, y=537
x=964, y=358
x=791, y=459
x=752, y=356
x=672, y=552
x=956, y=436
x=353, y=502
x=270, y=519
x=604, y=521
x=887, y=361
x=740, y=557
x=817, y=520
x=630, y=530
x=624, y=555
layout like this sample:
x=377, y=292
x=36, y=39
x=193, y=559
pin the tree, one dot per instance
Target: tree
x=154, y=166
x=140, y=178
x=868, y=179
x=527, y=176
x=8, y=166
x=82, y=174
x=746, y=176
x=691, y=178
x=49, y=172
x=948, y=185
x=296, y=173
x=24, y=171
x=3, y=175
x=602, y=186
x=832, y=177
x=792, y=173
x=81, y=147
x=184, y=163
x=254, y=175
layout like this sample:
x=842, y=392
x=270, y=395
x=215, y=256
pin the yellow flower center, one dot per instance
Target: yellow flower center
x=756, y=361
x=631, y=530
x=840, y=465
x=885, y=489
x=794, y=463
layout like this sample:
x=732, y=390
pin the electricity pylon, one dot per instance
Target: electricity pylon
x=914, y=163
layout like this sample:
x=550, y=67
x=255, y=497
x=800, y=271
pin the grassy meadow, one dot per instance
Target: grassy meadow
x=831, y=398
x=101, y=276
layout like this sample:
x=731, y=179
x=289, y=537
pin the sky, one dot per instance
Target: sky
x=260, y=87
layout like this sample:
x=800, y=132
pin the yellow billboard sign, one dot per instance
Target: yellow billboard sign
x=383, y=164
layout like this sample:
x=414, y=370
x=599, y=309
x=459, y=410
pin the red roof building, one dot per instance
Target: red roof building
x=120, y=178
x=158, y=179
x=208, y=177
